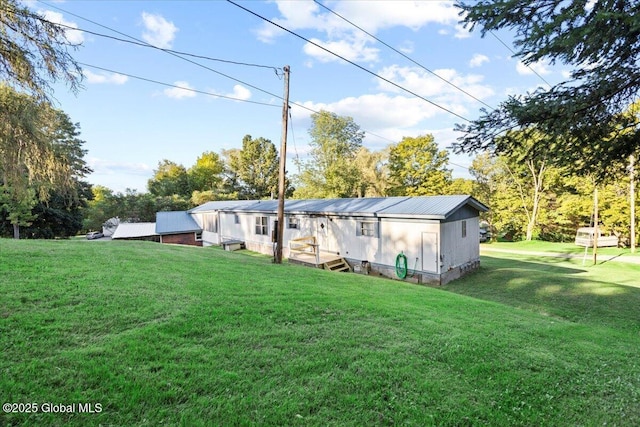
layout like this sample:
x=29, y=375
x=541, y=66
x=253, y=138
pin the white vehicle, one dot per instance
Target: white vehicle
x=584, y=237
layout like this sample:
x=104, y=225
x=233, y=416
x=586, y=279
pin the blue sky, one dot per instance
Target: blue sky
x=130, y=125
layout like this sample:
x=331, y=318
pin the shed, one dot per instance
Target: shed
x=136, y=231
x=178, y=227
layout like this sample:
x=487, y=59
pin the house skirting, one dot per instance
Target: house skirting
x=414, y=276
x=374, y=269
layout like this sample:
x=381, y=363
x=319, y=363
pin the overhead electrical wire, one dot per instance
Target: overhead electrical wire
x=349, y=61
x=176, y=86
x=166, y=51
x=147, y=45
x=179, y=55
x=403, y=55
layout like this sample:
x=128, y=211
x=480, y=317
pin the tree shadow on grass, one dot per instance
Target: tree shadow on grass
x=582, y=295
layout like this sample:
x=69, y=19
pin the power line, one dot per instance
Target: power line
x=350, y=62
x=293, y=137
x=403, y=55
x=177, y=54
x=143, y=44
x=175, y=86
x=167, y=51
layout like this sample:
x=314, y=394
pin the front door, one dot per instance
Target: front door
x=430, y=252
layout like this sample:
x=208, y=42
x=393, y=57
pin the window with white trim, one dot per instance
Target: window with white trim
x=293, y=222
x=236, y=219
x=262, y=225
x=367, y=228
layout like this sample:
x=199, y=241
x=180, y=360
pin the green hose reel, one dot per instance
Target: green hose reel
x=401, y=265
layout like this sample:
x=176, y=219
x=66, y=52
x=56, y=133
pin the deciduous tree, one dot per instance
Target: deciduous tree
x=170, y=178
x=39, y=151
x=417, y=167
x=257, y=168
x=34, y=52
x=206, y=174
x=331, y=172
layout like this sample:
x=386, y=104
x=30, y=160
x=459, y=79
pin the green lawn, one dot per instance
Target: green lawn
x=565, y=248
x=168, y=335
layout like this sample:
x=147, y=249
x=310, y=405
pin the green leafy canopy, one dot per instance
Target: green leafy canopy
x=584, y=115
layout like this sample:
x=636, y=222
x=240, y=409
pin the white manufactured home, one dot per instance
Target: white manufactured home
x=431, y=239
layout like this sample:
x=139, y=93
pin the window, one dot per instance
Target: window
x=210, y=223
x=198, y=236
x=262, y=226
x=236, y=219
x=464, y=229
x=367, y=228
x=293, y=223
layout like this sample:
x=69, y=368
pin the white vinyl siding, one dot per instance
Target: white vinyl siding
x=210, y=222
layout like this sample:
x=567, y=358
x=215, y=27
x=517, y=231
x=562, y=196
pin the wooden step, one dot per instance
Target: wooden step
x=337, y=265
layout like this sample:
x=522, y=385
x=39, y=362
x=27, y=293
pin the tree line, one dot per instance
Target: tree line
x=529, y=196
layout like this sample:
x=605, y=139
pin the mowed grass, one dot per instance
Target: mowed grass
x=561, y=248
x=168, y=335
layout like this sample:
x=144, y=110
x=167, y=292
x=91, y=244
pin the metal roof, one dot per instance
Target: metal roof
x=222, y=205
x=436, y=207
x=175, y=222
x=432, y=207
x=129, y=230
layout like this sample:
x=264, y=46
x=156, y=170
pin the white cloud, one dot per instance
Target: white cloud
x=351, y=50
x=386, y=120
x=104, y=78
x=72, y=36
x=110, y=167
x=434, y=88
x=372, y=16
x=538, y=67
x=181, y=91
x=391, y=117
x=478, y=60
x=407, y=47
x=240, y=92
x=159, y=32
x=459, y=32
x=296, y=15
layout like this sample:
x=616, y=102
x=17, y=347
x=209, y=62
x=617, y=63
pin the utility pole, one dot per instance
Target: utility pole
x=283, y=168
x=632, y=201
x=595, y=224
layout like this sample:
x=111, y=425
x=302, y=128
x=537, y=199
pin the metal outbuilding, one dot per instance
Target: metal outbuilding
x=136, y=231
x=178, y=227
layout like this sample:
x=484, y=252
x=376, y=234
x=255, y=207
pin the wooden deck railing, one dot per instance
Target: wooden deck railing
x=304, y=245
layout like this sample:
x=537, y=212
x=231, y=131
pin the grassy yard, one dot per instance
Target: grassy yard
x=563, y=248
x=167, y=335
